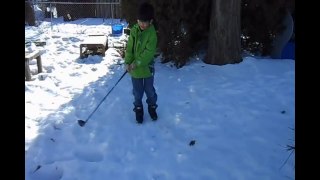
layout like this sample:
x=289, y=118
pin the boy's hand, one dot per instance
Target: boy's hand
x=127, y=66
x=130, y=67
x=133, y=66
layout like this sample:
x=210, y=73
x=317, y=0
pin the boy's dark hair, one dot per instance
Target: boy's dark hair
x=145, y=12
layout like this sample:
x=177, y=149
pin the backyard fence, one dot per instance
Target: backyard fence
x=107, y=9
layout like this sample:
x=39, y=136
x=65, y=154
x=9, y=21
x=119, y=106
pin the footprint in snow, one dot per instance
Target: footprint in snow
x=89, y=154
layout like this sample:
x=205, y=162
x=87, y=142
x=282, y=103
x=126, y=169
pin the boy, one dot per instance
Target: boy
x=139, y=61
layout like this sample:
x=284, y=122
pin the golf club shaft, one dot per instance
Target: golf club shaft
x=106, y=96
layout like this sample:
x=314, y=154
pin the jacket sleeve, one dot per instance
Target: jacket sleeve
x=147, y=55
x=129, y=57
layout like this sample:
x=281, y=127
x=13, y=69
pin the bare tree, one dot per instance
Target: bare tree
x=224, y=35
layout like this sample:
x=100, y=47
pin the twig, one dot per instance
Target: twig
x=287, y=159
x=38, y=167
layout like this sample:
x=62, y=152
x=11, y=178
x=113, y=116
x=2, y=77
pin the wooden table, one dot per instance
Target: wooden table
x=29, y=56
x=95, y=43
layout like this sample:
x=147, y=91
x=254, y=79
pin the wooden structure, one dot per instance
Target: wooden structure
x=94, y=44
x=30, y=56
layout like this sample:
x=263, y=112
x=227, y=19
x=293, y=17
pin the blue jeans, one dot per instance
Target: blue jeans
x=141, y=85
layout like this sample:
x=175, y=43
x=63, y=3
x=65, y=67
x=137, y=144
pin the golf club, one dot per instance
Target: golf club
x=83, y=122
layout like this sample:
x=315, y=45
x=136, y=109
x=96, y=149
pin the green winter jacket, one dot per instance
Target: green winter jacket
x=141, y=48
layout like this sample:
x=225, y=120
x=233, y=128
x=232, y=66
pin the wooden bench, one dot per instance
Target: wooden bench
x=95, y=44
x=29, y=56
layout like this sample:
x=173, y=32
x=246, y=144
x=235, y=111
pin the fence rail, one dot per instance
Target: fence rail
x=75, y=10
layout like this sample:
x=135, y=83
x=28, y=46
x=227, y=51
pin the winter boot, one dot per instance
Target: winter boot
x=152, y=112
x=139, y=114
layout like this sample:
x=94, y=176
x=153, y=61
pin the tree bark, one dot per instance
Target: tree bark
x=29, y=14
x=225, y=31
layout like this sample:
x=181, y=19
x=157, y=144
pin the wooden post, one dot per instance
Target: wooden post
x=39, y=64
x=27, y=70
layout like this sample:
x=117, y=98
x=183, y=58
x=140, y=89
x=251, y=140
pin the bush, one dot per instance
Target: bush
x=183, y=26
x=261, y=22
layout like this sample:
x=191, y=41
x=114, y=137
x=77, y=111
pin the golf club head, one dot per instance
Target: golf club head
x=81, y=123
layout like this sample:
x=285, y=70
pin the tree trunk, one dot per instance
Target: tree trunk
x=29, y=14
x=224, y=35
